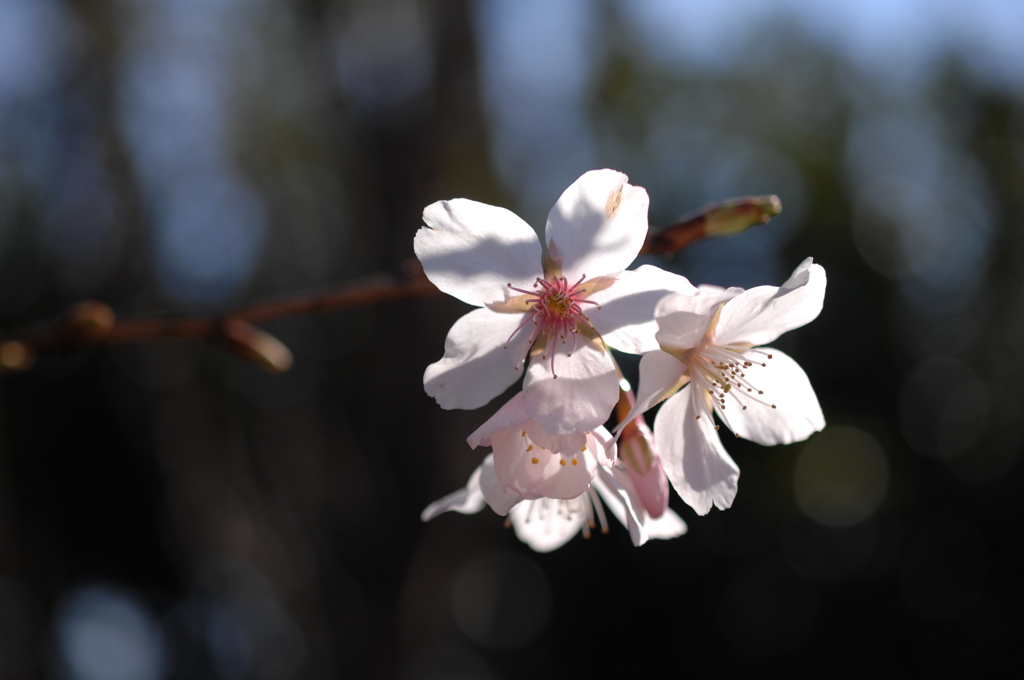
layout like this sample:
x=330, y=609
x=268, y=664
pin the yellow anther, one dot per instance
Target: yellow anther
x=535, y=461
x=530, y=447
x=562, y=462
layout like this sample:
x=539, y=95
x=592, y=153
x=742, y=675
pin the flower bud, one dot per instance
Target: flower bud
x=718, y=219
x=16, y=356
x=89, y=319
x=245, y=340
x=641, y=461
x=739, y=214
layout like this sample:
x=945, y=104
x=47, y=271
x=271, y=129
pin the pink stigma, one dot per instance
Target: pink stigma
x=556, y=314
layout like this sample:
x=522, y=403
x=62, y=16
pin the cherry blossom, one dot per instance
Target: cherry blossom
x=555, y=314
x=537, y=464
x=709, y=342
x=546, y=524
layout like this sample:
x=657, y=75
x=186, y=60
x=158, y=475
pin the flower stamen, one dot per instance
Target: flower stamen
x=719, y=372
x=555, y=309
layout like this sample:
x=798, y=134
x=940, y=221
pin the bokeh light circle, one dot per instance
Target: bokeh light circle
x=841, y=476
x=501, y=601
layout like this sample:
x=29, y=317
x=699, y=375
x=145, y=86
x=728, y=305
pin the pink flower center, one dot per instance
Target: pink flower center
x=556, y=314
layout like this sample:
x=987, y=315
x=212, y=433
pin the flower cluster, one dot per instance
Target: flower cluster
x=553, y=314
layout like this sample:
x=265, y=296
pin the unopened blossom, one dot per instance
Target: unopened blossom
x=548, y=523
x=551, y=315
x=639, y=460
x=709, y=343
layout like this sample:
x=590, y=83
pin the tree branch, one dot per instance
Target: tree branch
x=91, y=323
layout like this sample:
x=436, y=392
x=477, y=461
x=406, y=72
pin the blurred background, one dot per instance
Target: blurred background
x=170, y=511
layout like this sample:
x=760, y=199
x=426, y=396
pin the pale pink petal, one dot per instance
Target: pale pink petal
x=601, y=443
x=467, y=501
x=669, y=525
x=476, y=366
x=473, y=250
x=797, y=414
x=598, y=225
x=762, y=314
x=501, y=500
x=660, y=374
x=615, y=494
x=512, y=415
x=621, y=499
x=695, y=461
x=625, y=313
x=683, y=319
x=553, y=475
x=556, y=443
x=544, y=525
x=582, y=396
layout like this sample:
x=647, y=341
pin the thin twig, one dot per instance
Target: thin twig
x=91, y=323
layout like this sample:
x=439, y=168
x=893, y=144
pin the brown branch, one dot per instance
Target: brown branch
x=412, y=283
x=91, y=323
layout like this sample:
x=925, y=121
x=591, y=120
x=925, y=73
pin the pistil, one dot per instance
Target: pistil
x=555, y=309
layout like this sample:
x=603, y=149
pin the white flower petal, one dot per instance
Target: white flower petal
x=476, y=367
x=695, y=461
x=625, y=315
x=544, y=525
x=609, y=485
x=472, y=250
x=684, y=319
x=669, y=525
x=512, y=414
x=601, y=443
x=582, y=396
x=660, y=373
x=762, y=314
x=620, y=497
x=467, y=501
x=554, y=475
x=797, y=414
x=598, y=225
x=500, y=500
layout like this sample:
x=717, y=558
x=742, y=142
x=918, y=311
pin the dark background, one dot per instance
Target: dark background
x=167, y=510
